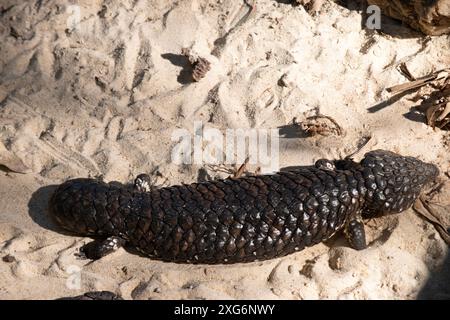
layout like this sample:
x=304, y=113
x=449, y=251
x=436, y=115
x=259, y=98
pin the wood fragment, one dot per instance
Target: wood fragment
x=420, y=82
x=242, y=168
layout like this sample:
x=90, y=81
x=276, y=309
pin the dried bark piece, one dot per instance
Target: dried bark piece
x=322, y=125
x=441, y=75
x=200, y=66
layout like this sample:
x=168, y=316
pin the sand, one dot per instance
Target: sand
x=103, y=97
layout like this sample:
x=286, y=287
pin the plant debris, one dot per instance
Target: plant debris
x=430, y=17
x=242, y=169
x=433, y=92
x=200, y=66
x=320, y=125
x=9, y=259
x=434, y=206
x=312, y=6
x=236, y=172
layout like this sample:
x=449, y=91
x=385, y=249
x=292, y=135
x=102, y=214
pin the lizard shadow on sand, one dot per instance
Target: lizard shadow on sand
x=38, y=208
x=39, y=212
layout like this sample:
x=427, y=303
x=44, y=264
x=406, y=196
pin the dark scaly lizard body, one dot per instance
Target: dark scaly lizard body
x=95, y=295
x=244, y=219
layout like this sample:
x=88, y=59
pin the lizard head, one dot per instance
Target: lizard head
x=393, y=181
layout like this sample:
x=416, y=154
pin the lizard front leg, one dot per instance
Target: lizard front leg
x=355, y=233
x=142, y=183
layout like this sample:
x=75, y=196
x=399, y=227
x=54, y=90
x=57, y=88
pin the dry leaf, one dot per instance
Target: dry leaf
x=445, y=112
x=439, y=115
x=435, y=207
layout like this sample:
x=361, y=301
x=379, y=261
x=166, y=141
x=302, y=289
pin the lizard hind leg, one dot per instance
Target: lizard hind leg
x=355, y=233
x=99, y=248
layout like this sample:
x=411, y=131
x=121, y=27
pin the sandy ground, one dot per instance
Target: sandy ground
x=104, y=96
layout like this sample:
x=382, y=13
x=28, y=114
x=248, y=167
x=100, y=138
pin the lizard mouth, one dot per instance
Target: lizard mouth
x=434, y=171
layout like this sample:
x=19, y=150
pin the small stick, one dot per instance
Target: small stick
x=220, y=168
x=439, y=75
x=241, y=169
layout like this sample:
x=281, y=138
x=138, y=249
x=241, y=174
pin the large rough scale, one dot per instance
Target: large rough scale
x=245, y=219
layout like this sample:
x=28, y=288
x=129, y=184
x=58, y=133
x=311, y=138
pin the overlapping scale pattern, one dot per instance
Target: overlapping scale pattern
x=245, y=219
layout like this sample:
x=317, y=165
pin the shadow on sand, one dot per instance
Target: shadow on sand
x=179, y=60
x=438, y=284
x=38, y=208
